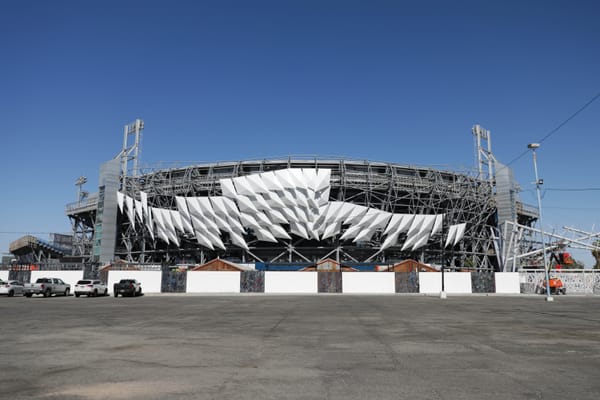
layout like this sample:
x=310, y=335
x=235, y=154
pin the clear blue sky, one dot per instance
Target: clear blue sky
x=399, y=81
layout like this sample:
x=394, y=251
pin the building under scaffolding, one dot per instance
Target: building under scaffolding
x=302, y=210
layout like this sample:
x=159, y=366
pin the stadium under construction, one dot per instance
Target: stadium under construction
x=296, y=212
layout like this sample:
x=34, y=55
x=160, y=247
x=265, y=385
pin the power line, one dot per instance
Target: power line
x=553, y=131
x=571, y=189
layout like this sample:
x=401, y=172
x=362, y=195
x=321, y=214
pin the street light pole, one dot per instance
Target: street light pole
x=538, y=182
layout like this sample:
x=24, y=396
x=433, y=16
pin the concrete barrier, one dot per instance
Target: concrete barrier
x=507, y=282
x=70, y=277
x=368, y=282
x=291, y=282
x=150, y=280
x=454, y=282
x=213, y=282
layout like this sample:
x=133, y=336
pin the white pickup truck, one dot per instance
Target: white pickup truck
x=47, y=287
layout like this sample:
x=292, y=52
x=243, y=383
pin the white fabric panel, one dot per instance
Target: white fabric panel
x=290, y=215
x=144, y=198
x=169, y=227
x=158, y=218
x=211, y=225
x=182, y=207
x=344, y=212
x=381, y=219
x=407, y=221
x=284, y=178
x=298, y=229
x=451, y=235
x=177, y=220
x=150, y=223
x=428, y=221
x=289, y=198
x=279, y=232
x=460, y=232
x=365, y=234
x=310, y=177
x=184, y=214
x=390, y=240
x=276, y=217
x=437, y=226
x=410, y=241
x=242, y=186
x=120, y=199
x=257, y=184
x=323, y=179
x=298, y=178
x=301, y=214
x=260, y=203
x=235, y=225
x=415, y=227
x=193, y=206
x=139, y=211
x=265, y=235
x=228, y=189
x=215, y=239
x=393, y=224
x=262, y=219
x=332, y=211
x=322, y=196
x=238, y=240
x=332, y=230
x=249, y=221
x=198, y=224
x=271, y=181
x=421, y=241
x=162, y=234
x=203, y=240
x=130, y=210
x=218, y=205
x=300, y=199
x=231, y=207
x=245, y=205
x=222, y=223
x=368, y=218
x=274, y=200
x=206, y=207
x=312, y=203
x=356, y=215
x=351, y=232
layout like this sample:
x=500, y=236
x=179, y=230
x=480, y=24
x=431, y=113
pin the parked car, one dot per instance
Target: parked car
x=90, y=287
x=47, y=287
x=127, y=287
x=11, y=288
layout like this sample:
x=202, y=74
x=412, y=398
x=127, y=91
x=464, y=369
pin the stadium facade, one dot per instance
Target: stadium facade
x=294, y=211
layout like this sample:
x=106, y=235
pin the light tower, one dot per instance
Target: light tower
x=131, y=152
x=538, y=183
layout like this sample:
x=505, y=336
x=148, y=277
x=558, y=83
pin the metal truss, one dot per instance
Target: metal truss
x=389, y=187
x=521, y=246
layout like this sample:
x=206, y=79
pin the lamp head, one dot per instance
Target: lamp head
x=533, y=146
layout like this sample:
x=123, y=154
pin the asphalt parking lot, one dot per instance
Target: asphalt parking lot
x=300, y=347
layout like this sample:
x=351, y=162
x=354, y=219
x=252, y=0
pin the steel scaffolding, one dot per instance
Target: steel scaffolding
x=385, y=186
